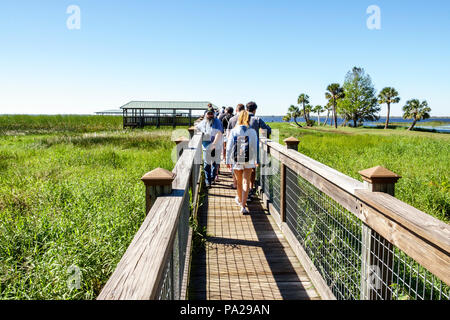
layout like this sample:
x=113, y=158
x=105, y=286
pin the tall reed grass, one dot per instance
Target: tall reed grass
x=70, y=204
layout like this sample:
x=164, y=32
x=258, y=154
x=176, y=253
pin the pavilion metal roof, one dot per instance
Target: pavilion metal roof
x=199, y=105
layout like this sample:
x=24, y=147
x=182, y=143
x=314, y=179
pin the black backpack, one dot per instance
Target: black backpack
x=241, y=149
x=226, y=121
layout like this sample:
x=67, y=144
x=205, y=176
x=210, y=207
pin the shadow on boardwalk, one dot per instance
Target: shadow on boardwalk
x=246, y=257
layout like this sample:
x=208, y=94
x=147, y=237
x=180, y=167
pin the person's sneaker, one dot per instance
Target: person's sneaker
x=236, y=199
x=244, y=210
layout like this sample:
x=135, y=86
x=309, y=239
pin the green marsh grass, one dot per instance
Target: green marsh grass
x=26, y=124
x=71, y=197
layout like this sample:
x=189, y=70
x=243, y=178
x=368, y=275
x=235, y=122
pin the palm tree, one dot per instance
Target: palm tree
x=287, y=118
x=294, y=113
x=333, y=94
x=328, y=108
x=308, y=109
x=388, y=95
x=416, y=110
x=303, y=99
x=318, y=109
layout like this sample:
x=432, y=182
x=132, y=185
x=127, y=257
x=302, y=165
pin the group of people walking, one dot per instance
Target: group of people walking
x=235, y=139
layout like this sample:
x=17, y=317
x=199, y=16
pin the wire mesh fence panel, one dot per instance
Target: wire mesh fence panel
x=354, y=260
x=183, y=233
x=267, y=176
x=397, y=276
x=275, y=183
x=166, y=289
x=171, y=284
x=330, y=235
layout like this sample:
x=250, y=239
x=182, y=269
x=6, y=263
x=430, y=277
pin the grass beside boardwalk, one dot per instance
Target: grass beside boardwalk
x=421, y=158
x=71, y=198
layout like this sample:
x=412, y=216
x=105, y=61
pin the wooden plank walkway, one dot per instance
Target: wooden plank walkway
x=246, y=257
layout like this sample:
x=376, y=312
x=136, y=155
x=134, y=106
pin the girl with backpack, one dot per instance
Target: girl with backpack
x=241, y=157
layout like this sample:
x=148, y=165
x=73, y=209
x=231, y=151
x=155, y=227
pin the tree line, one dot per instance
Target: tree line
x=356, y=101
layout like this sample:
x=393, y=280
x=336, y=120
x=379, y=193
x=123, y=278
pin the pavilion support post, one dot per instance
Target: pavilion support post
x=377, y=252
x=157, y=182
x=158, y=118
x=174, y=118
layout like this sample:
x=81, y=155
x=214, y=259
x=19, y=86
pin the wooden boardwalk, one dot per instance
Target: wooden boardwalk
x=246, y=257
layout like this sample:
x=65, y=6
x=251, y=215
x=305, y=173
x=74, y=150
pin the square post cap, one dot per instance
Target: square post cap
x=379, y=175
x=181, y=139
x=158, y=177
x=292, y=143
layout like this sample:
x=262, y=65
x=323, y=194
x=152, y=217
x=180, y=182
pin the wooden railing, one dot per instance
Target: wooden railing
x=355, y=239
x=156, y=264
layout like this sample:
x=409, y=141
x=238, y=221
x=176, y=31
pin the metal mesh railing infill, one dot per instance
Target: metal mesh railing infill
x=354, y=261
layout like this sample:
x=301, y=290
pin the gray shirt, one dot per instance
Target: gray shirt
x=255, y=123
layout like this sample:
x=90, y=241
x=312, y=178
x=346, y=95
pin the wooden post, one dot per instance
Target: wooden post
x=282, y=192
x=182, y=143
x=377, y=252
x=157, y=182
x=292, y=143
x=191, y=132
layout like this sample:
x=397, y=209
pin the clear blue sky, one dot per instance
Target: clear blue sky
x=227, y=52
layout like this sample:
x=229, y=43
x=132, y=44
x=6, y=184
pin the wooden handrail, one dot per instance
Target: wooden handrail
x=138, y=274
x=420, y=235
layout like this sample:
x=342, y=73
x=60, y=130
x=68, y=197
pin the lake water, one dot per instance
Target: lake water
x=422, y=124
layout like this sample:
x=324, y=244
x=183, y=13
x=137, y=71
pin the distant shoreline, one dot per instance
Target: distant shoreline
x=262, y=116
